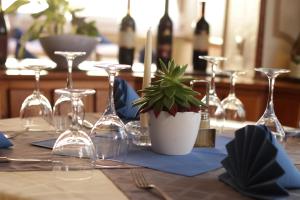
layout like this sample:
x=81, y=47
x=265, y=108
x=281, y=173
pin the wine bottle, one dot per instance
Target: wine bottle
x=127, y=39
x=164, y=38
x=201, y=35
x=3, y=37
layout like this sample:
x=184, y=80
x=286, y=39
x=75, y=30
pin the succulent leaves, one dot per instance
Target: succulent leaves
x=168, y=92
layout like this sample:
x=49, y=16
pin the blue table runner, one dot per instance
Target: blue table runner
x=199, y=161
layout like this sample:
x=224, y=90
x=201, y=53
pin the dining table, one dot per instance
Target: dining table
x=115, y=183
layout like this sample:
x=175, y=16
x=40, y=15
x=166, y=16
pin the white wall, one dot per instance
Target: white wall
x=243, y=18
x=279, y=35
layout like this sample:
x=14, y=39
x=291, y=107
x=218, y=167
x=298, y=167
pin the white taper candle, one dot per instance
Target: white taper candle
x=147, y=72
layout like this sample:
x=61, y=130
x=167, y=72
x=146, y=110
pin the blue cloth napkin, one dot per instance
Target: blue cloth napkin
x=199, y=161
x=291, y=177
x=257, y=165
x=124, y=95
x=4, y=142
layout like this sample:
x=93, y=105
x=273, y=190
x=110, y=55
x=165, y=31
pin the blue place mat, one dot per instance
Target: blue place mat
x=199, y=161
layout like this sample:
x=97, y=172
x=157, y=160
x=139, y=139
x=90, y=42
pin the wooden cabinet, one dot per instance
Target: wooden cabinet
x=253, y=93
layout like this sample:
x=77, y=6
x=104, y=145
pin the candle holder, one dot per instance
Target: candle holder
x=139, y=134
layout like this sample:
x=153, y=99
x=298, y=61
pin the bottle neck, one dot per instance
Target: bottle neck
x=167, y=7
x=203, y=9
x=128, y=7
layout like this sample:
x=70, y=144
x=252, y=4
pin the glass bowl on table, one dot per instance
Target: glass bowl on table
x=36, y=106
x=74, y=148
x=109, y=133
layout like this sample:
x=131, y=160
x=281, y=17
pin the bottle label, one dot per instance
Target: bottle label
x=164, y=51
x=167, y=33
x=201, y=41
x=127, y=39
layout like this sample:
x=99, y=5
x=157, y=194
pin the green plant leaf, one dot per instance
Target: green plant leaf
x=195, y=101
x=170, y=92
x=15, y=5
x=157, y=108
x=32, y=33
x=163, y=66
x=168, y=103
x=184, y=104
x=181, y=96
x=139, y=101
x=154, y=99
x=171, y=66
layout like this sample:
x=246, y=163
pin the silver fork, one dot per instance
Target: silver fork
x=141, y=182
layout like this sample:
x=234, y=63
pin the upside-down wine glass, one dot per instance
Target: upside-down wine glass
x=62, y=106
x=216, y=111
x=269, y=118
x=74, y=148
x=109, y=134
x=36, y=105
x=234, y=111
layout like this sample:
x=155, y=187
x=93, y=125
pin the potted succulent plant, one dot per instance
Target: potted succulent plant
x=174, y=111
x=49, y=26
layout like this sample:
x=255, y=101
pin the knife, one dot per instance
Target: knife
x=7, y=159
x=97, y=166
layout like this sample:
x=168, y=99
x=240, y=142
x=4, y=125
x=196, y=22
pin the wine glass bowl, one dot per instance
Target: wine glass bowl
x=269, y=118
x=74, y=147
x=109, y=134
x=62, y=106
x=235, y=114
x=35, y=105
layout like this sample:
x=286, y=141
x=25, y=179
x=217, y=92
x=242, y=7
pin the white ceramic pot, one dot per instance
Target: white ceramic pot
x=173, y=135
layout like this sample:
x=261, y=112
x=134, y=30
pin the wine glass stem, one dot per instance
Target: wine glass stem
x=212, y=81
x=232, y=85
x=37, y=81
x=111, y=106
x=75, y=113
x=69, y=79
x=270, y=104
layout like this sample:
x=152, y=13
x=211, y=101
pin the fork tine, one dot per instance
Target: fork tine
x=141, y=182
x=139, y=179
x=143, y=179
x=134, y=177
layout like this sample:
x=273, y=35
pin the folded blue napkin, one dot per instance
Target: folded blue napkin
x=124, y=95
x=257, y=165
x=4, y=142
